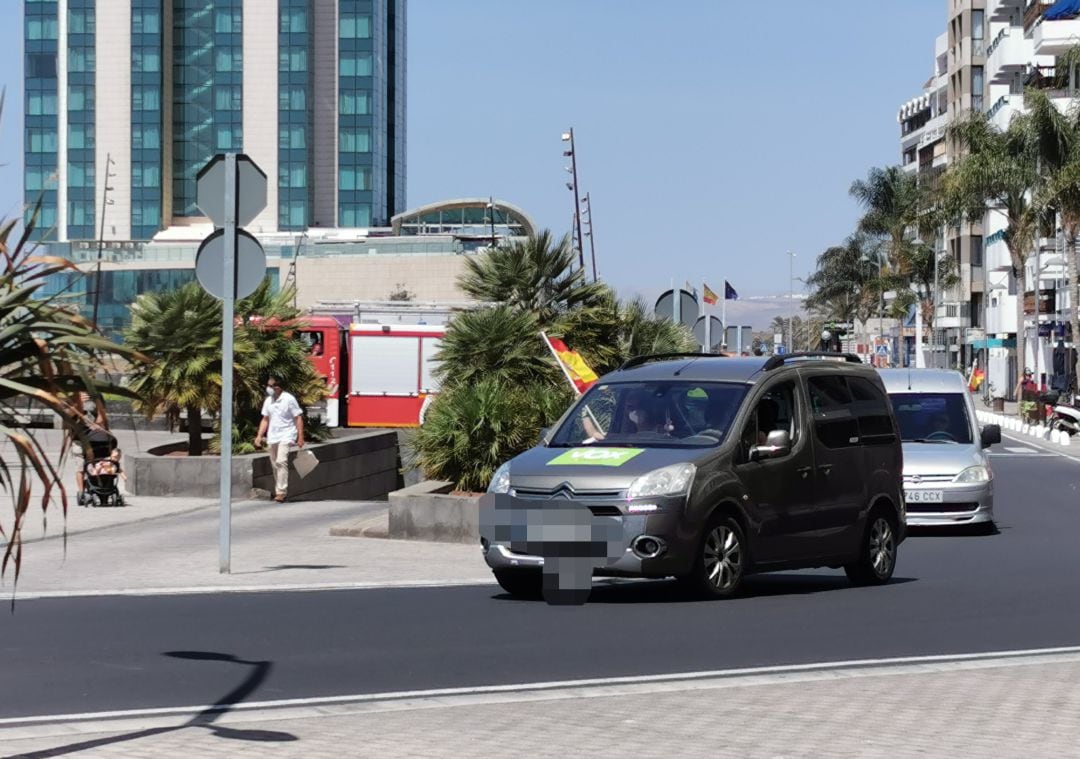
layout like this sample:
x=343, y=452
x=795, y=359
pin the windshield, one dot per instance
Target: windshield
x=932, y=417
x=653, y=414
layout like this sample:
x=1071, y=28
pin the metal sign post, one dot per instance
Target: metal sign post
x=228, y=287
x=231, y=191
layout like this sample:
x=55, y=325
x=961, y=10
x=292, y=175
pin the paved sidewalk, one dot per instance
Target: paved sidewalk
x=1025, y=710
x=273, y=545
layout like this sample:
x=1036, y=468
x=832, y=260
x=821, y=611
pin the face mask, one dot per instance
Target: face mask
x=270, y=391
x=633, y=416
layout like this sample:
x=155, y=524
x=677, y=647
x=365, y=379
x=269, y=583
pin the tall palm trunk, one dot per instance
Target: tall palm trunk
x=194, y=429
x=1021, y=332
x=1072, y=230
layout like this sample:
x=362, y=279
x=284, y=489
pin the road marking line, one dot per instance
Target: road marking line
x=210, y=589
x=1019, y=449
x=1040, y=446
x=296, y=708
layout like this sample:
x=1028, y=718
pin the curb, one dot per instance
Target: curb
x=1054, y=440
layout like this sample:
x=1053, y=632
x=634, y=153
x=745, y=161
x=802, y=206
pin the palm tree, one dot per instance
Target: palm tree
x=535, y=274
x=49, y=355
x=845, y=284
x=1057, y=136
x=897, y=210
x=181, y=331
x=999, y=173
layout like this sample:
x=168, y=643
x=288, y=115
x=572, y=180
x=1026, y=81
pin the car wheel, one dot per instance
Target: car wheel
x=520, y=583
x=720, y=562
x=877, y=552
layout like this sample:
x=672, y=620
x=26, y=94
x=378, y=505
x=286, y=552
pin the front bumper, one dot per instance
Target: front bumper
x=525, y=530
x=960, y=505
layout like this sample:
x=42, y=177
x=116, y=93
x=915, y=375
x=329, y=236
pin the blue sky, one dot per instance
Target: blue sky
x=712, y=139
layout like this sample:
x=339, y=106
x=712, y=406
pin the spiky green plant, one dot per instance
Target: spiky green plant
x=49, y=355
x=473, y=428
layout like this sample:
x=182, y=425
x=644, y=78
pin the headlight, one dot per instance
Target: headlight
x=671, y=480
x=977, y=473
x=500, y=483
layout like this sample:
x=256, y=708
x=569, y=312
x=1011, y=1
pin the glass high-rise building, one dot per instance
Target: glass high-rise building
x=137, y=95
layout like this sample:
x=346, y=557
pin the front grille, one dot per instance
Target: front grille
x=563, y=491
x=940, y=508
x=909, y=479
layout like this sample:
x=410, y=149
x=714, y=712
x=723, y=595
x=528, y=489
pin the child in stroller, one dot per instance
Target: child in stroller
x=101, y=471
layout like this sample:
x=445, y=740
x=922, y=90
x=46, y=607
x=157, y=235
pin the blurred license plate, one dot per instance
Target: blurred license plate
x=924, y=496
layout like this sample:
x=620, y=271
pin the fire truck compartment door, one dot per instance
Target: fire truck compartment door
x=429, y=383
x=384, y=365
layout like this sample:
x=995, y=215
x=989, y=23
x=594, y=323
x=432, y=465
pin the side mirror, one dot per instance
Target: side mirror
x=777, y=444
x=991, y=435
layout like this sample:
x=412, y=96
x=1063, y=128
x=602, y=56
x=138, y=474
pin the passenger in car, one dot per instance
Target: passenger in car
x=768, y=412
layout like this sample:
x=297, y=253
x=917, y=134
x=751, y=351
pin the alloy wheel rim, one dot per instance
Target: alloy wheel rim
x=882, y=547
x=723, y=558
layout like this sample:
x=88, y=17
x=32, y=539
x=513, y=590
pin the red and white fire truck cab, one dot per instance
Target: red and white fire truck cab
x=377, y=375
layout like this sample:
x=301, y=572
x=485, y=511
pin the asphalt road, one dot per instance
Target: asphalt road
x=952, y=594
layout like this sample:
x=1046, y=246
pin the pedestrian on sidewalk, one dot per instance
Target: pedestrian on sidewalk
x=1027, y=395
x=282, y=426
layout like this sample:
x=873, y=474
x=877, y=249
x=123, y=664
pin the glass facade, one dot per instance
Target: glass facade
x=207, y=90
x=295, y=112
x=146, y=118
x=41, y=31
x=80, y=120
x=119, y=289
x=356, y=85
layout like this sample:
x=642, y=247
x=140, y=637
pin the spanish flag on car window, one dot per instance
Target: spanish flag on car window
x=573, y=365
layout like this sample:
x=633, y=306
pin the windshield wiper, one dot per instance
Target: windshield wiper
x=928, y=440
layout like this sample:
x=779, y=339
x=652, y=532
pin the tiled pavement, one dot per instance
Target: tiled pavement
x=1010, y=710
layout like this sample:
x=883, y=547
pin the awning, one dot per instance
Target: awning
x=1061, y=10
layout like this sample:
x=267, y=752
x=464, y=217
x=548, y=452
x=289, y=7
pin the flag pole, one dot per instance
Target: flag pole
x=707, y=348
x=723, y=315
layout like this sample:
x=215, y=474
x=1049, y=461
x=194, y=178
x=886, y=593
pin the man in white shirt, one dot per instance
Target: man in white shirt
x=282, y=426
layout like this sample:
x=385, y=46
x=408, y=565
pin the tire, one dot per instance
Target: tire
x=720, y=562
x=520, y=583
x=877, y=551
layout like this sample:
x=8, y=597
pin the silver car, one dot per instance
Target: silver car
x=947, y=475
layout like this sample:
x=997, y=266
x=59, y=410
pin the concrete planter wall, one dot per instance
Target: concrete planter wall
x=355, y=466
x=427, y=511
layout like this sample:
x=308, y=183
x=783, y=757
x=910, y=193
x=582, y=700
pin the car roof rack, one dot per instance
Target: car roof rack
x=641, y=360
x=777, y=361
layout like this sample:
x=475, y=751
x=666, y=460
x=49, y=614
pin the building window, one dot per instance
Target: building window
x=355, y=27
x=41, y=28
x=976, y=250
x=41, y=103
x=354, y=179
x=355, y=140
x=355, y=216
x=293, y=59
x=355, y=64
x=977, y=88
x=40, y=66
x=355, y=103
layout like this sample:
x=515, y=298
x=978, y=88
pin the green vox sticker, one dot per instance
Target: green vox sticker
x=595, y=457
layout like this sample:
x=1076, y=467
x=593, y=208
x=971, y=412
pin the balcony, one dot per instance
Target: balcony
x=1053, y=79
x=1056, y=37
x=1009, y=52
x=1033, y=13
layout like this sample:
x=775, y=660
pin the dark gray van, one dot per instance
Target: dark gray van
x=706, y=469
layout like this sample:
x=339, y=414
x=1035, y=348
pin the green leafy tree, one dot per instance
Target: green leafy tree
x=49, y=356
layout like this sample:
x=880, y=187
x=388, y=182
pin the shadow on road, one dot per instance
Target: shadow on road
x=755, y=586
x=283, y=567
x=205, y=719
x=981, y=530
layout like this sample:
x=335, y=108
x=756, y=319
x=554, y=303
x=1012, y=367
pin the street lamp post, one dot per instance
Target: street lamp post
x=572, y=155
x=101, y=236
x=791, y=303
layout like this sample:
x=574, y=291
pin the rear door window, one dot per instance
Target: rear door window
x=871, y=407
x=835, y=422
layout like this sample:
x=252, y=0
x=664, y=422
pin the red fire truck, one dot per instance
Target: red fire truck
x=377, y=375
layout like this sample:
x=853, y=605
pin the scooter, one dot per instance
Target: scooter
x=1064, y=417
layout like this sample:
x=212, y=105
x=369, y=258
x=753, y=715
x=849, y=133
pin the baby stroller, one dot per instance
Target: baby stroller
x=100, y=472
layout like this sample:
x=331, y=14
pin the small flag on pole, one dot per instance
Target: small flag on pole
x=580, y=375
x=729, y=291
x=710, y=297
